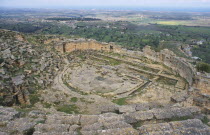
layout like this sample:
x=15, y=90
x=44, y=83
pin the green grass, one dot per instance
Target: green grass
x=23, y=109
x=137, y=124
x=181, y=118
x=34, y=98
x=40, y=121
x=120, y=101
x=47, y=105
x=116, y=54
x=74, y=99
x=205, y=120
x=85, y=101
x=112, y=61
x=81, y=56
x=70, y=109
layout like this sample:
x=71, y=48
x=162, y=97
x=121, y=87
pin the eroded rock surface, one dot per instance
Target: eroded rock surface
x=129, y=123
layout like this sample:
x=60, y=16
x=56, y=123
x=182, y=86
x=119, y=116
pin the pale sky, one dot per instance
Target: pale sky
x=70, y=3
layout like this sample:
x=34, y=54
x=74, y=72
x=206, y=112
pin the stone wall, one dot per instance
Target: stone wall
x=51, y=40
x=168, y=58
x=82, y=44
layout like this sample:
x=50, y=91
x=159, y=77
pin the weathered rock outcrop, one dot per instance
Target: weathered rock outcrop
x=202, y=82
x=24, y=67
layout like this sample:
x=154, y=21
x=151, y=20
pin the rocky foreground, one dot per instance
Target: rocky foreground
x=130, y=120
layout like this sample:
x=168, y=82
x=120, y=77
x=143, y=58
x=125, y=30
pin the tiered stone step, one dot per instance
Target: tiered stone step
x=186, y=127
x=111, y=123
x=166, y=114
x=106, y=124
x=147, y=120
x=55, y=129
x=59, y=124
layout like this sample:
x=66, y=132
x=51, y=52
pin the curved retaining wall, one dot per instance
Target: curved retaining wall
x=168, y=58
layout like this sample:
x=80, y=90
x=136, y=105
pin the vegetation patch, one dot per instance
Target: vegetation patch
x=47, y=105
x=137, y=124
x=1, y=100
x=112, y=61
x=40, y=121
x=181, y=118
x=203, y=67
x=70, y=109
x=82, y=57
x=34, y=98
x=74, y=99
x=23, y=109
x=120, y=101
x=205, y=120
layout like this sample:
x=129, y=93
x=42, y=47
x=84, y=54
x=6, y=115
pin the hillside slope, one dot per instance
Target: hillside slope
x=24, y=67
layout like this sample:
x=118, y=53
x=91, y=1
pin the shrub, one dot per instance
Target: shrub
x=203, y=67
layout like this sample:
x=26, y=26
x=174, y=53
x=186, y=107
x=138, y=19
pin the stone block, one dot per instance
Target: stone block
x=52, y=128
x=22, y=125
x=127, y=108
x=88, y=119
x=63, y=119
x=191, y=123
x=7, y=114
x=142, y=107
x=110, y=117
x=139, y=116
x=158, y=128
x=161, y=114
